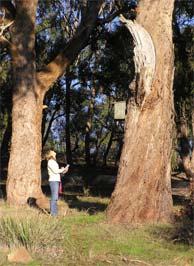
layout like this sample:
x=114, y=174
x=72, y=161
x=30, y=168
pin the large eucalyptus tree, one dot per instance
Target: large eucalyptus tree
x=143, y=188
x=29, y=90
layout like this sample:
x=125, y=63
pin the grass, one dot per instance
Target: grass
x=87, y=240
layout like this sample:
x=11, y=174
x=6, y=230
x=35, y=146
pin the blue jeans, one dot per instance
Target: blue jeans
x=54, y=186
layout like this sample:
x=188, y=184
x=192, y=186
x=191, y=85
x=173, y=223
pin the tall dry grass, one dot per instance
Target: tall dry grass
x=38, y=233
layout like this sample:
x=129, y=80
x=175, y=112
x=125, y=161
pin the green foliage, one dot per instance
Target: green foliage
x=116, y=68
x=184, y=48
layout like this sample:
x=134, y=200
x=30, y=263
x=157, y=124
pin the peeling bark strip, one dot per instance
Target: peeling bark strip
x=144, y=58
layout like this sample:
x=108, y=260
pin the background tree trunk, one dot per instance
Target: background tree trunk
x=67, y=113
x=185, y=148
x=143, y=189
x=88, y=126
x=105, y=155
x=192, y=155
x=45, y=133
x=192, y=161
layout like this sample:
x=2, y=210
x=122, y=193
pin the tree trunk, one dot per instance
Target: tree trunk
x=24, y=164
x=192, y=154
x=67, y=113
x=89, y=127
x=87, y=144
x=192, y=160
x=48, y=129
x=143, y=189
x=98, y=142
x=105, y=155
x=185, y=148
x=120, y=146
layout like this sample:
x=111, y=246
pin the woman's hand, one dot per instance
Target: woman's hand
x=66, y=169
x=62, y=169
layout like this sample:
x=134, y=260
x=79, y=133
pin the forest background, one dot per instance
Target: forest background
x=94, y=69
x=78, y=118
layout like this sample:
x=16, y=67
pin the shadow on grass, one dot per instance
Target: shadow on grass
x=71, y=199
x=185, y=225
x=179, y=200
x=84, y=205
x=2, y=191
x=76, y=199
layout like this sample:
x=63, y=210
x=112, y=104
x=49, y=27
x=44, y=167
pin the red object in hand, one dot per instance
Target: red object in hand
x=60, y=188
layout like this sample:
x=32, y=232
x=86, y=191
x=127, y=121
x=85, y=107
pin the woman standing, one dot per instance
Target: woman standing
x=54, y=179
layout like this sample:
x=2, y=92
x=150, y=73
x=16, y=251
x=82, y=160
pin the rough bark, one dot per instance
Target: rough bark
x=24, y=164
x=143, y=190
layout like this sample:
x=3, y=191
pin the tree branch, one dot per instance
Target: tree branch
x=58, y=66
x=109, y=18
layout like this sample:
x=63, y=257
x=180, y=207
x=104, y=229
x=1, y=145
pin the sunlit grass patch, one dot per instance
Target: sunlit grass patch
x=127, y=244
x=88, y=240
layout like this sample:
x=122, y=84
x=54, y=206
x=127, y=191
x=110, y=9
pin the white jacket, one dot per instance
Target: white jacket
x=54, y=170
